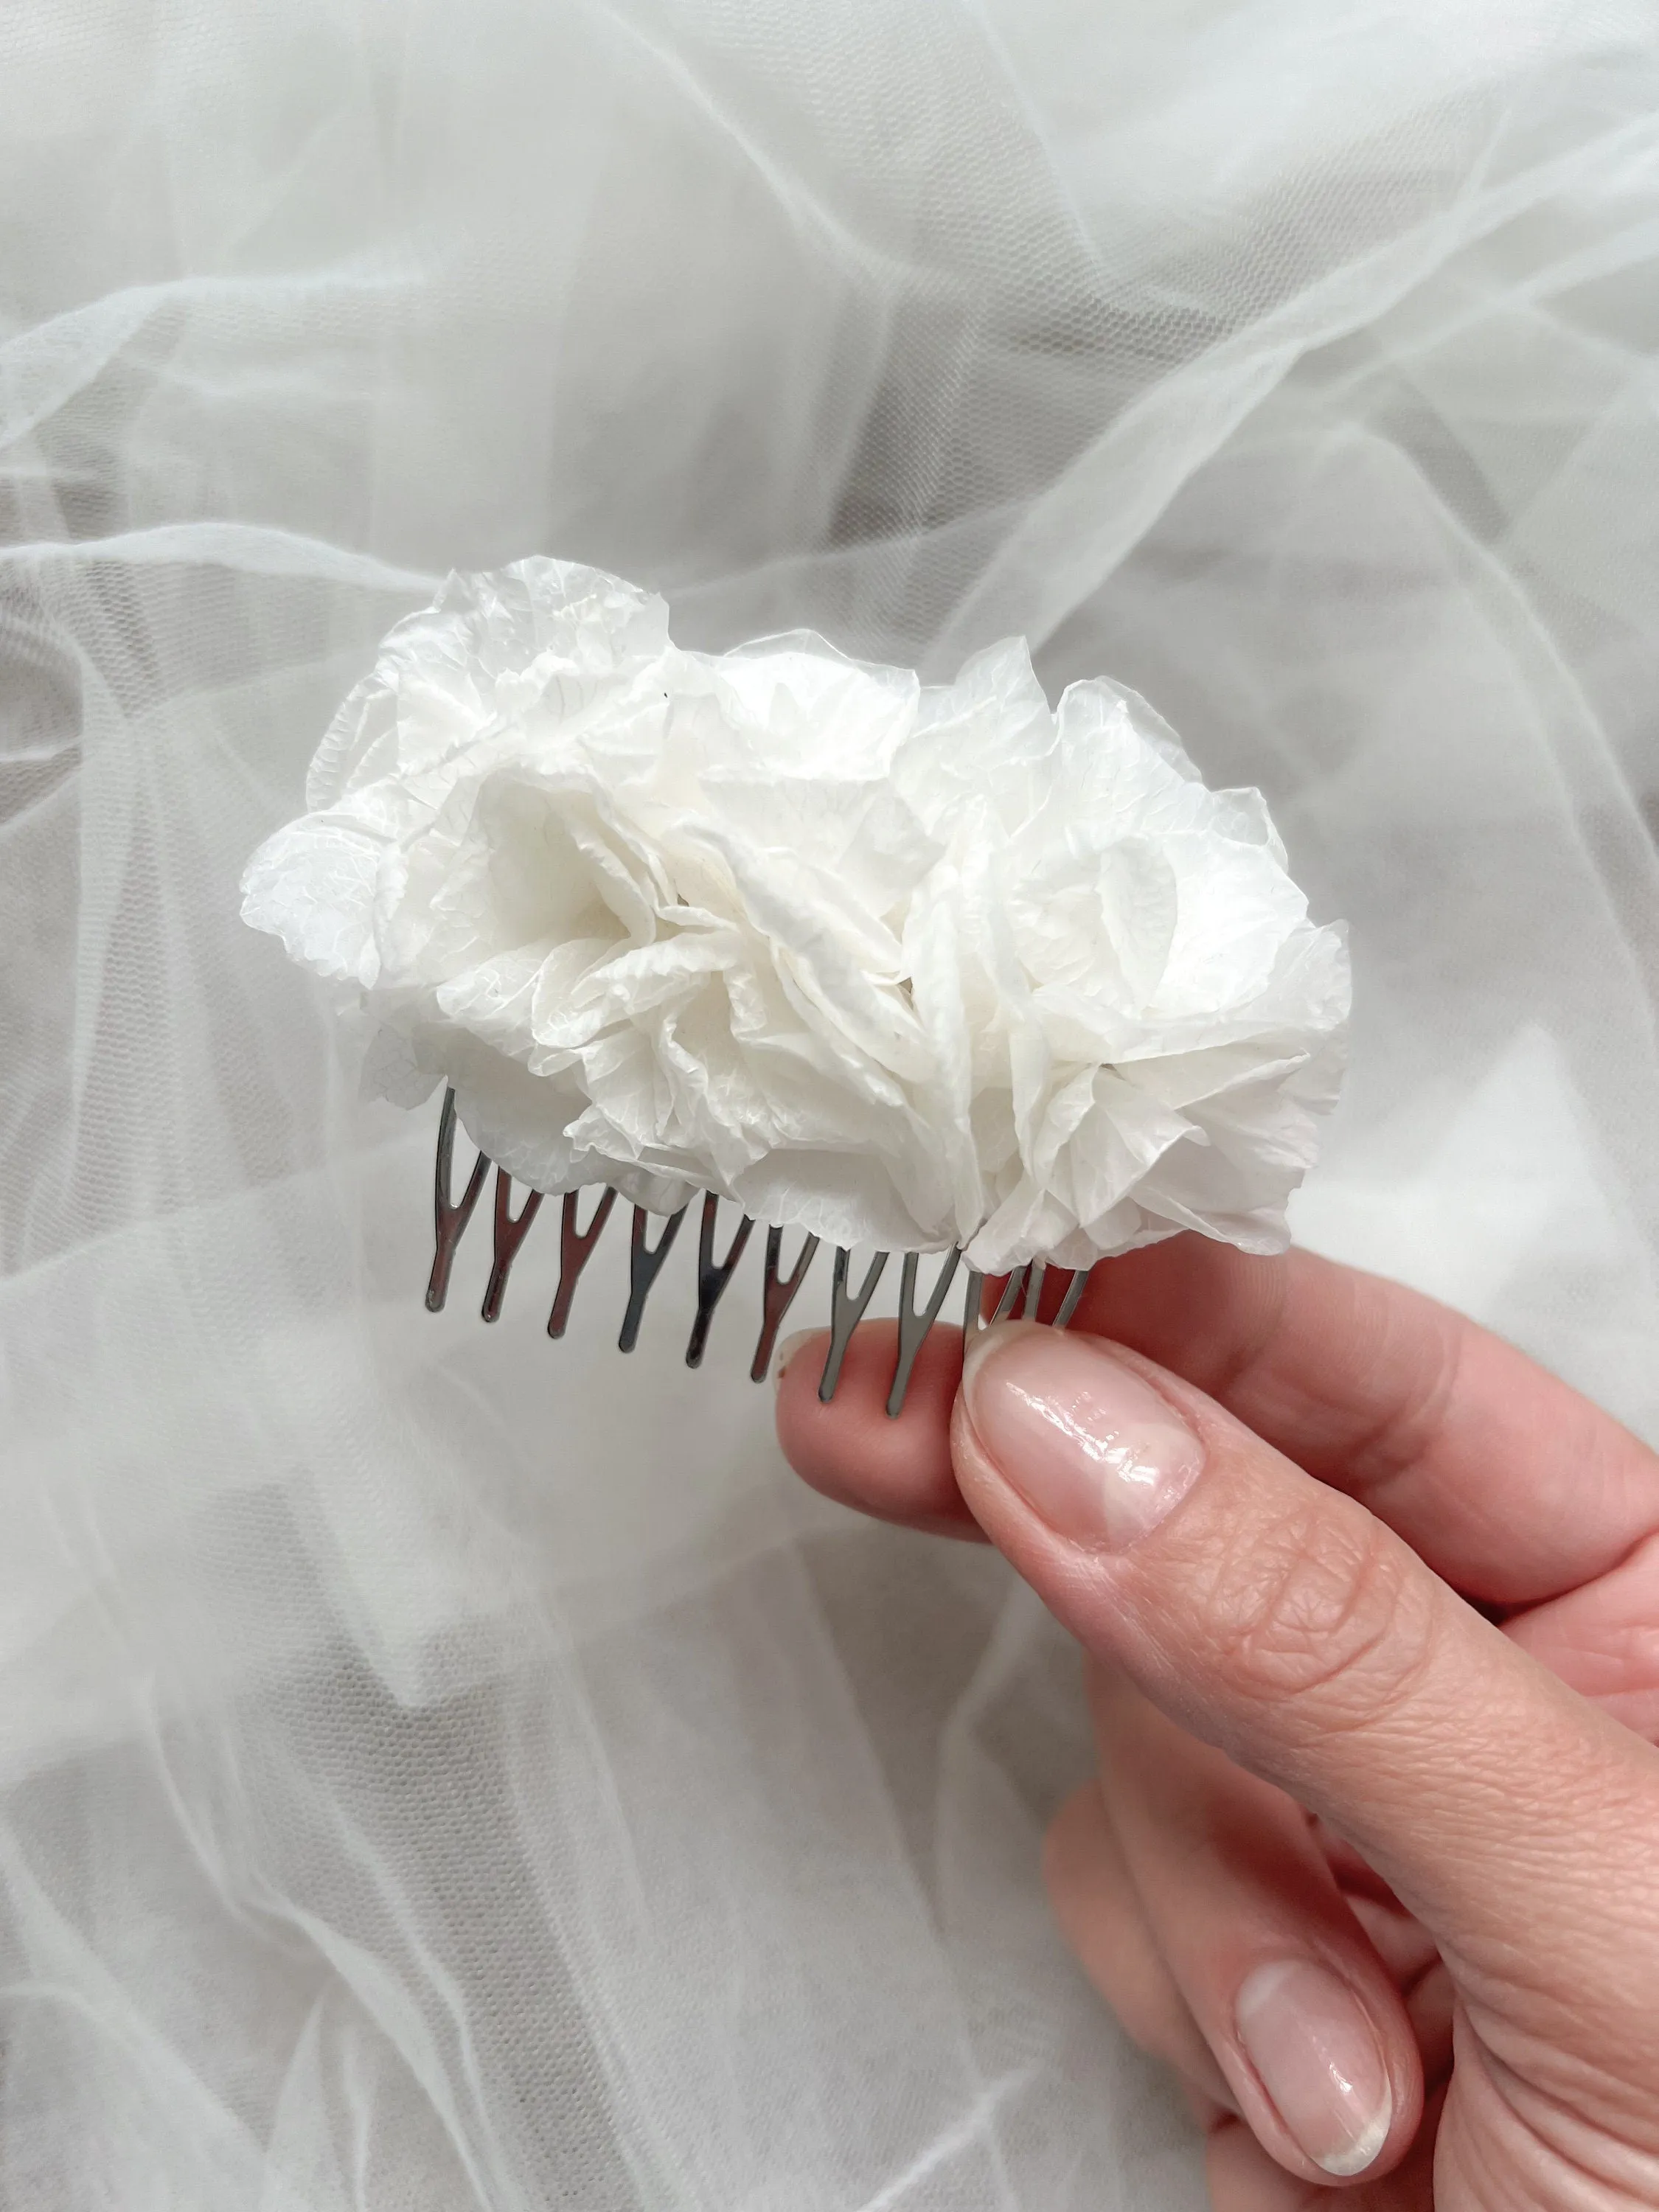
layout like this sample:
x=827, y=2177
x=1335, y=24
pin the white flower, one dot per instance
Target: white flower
x=901, y=965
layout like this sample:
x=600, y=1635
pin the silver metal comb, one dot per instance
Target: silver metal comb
x=779, y=1289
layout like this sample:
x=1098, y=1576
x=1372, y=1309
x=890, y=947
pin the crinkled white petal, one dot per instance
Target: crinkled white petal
x=899, y=964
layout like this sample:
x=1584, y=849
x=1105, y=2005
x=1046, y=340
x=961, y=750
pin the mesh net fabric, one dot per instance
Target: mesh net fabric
x=437, y=1768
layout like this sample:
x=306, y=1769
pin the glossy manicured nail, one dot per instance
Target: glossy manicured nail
x=1093, y=1449
x=1313, y=2046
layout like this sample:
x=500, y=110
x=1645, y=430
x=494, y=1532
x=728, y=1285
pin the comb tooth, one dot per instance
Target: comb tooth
x=777, y=1295
x=1074, y=1289
x=575, y=1243
x=645, y=1265
x=973, y=1316
x=912, y=1325
x=509, y=1235
x=449, y=1215
x=1010, y=1291
x=1034, y=1277
x=844, y=1313
x=712, y=1276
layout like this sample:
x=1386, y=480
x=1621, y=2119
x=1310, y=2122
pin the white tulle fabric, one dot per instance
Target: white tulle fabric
x=440, y=1768
x=893, y=964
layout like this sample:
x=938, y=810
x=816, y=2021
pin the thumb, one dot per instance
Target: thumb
x=1279, y=1620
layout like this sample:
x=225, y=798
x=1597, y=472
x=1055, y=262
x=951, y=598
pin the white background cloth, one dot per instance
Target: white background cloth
x=438, y=1768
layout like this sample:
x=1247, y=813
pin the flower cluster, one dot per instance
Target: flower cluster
x=901, y=965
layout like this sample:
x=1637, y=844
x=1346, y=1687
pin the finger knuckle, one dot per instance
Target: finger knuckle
x=1328, y=1614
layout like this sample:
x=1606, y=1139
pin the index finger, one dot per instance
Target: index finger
x=1510, y=1485
x=1507, y=1482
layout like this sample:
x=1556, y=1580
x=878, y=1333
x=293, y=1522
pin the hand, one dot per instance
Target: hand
x=1371, y=1606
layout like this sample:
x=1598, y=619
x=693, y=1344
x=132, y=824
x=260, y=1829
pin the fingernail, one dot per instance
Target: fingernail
x=1308, y=2038
x=1094, y=1451
x=786, y=1352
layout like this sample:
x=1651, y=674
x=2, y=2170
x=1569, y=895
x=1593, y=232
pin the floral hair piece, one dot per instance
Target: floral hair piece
x=933, y=968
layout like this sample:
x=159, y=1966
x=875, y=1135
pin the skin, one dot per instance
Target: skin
x=1381, y=1691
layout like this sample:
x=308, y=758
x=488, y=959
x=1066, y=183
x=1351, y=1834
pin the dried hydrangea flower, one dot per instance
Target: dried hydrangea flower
x=912, y=965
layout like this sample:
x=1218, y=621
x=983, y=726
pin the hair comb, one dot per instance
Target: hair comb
x=936, y=971
x=452, y=1215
